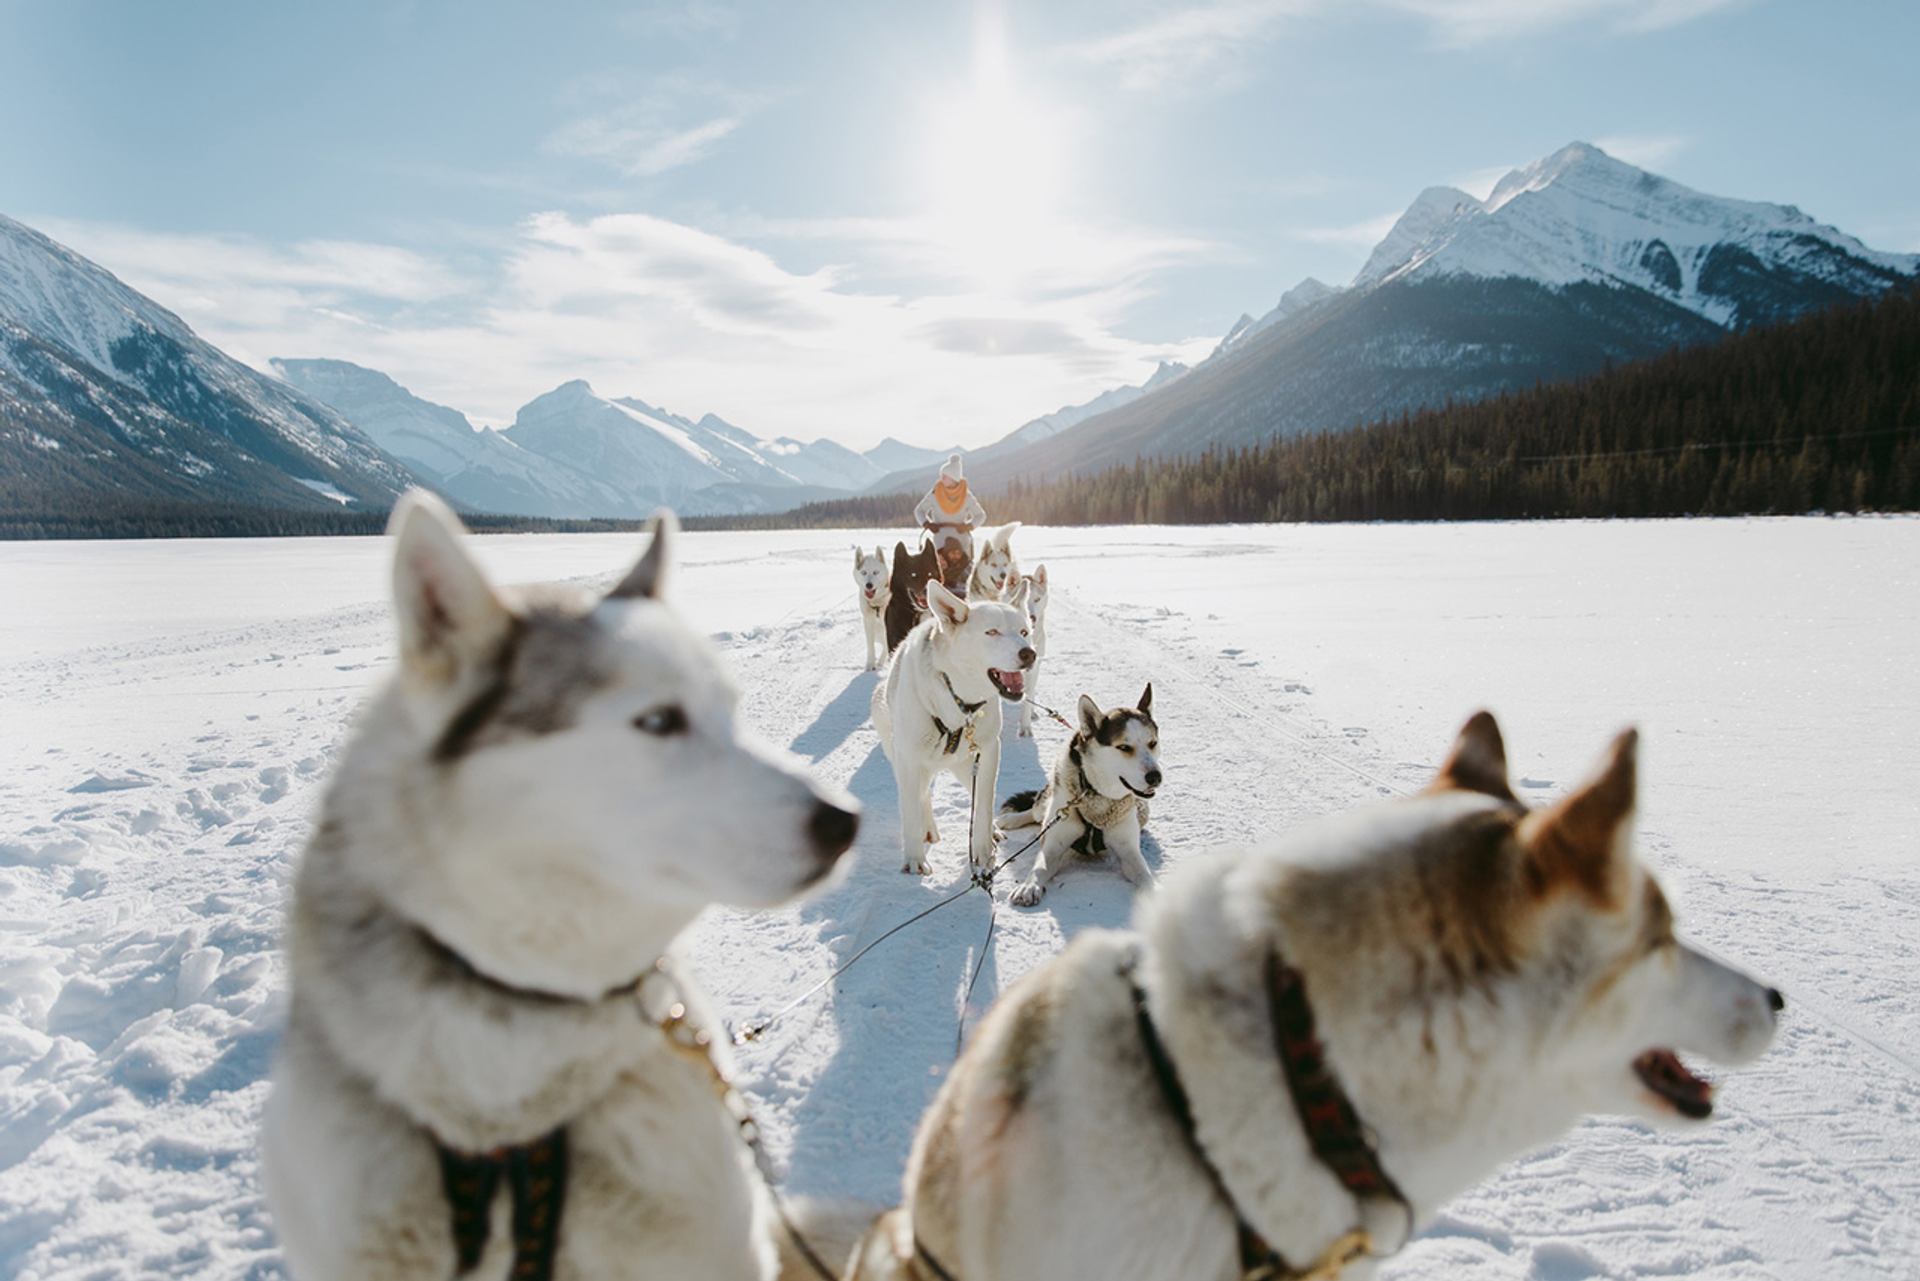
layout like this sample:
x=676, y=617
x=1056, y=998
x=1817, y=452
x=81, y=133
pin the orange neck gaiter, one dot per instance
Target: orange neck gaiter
x=951, y=495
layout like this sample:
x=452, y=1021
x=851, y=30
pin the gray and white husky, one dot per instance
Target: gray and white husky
x=870, y=574
x=548, y=790
x=939, y=710
x=996, y=574
x=1095, y=798
x=1302, y=1051
x=1037, y=611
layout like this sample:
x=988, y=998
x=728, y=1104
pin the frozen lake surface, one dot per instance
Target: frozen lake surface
x=169, y=710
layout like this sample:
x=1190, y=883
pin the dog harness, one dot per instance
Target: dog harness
x=1334, y=1130
x=951, y=737
x=536, y=1172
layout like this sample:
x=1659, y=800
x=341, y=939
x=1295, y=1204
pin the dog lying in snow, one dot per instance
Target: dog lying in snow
x=907, y=590
x=939, y=709
x=548, y=790
x=870, y=575
x=1095, y=798
x=1037, y=611
x=995, y=572
x=1302, y=1051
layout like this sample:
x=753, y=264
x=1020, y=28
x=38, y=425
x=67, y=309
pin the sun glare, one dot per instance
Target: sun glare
x=997, y=163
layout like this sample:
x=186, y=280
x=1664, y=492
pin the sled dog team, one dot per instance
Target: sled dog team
x=494, y=1067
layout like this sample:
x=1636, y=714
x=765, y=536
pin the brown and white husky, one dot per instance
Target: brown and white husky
x=1465, y=976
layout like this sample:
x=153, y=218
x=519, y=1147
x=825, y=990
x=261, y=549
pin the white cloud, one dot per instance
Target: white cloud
x=1203, y=47
x=684, y=317
x=638, y=146
x=1364, y=234
x=1647, y=150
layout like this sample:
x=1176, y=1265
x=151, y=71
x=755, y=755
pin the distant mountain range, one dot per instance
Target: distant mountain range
x=1572, y=263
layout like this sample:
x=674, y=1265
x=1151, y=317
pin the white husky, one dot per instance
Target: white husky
x=996, y=574
x=870, y=577
x=1037, y=611
x=1095, y=798
x=547, y=791
x=1304, y=1051
x=939, y=709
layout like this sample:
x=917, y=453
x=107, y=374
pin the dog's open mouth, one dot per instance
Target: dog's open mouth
x=1012, y=685
x=869, y=593
x=1146, y=794
x=1662, y=1072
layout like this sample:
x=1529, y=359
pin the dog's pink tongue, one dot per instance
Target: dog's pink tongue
x=1014, y=682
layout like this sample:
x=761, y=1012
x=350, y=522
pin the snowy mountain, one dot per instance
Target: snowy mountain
x=892, y=455
x=476, y=469
x=1060, y=419
x=1571, y=263
x=1292, y=303
x=111, y=396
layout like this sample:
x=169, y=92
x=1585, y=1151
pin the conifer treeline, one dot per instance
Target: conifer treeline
x=1822, y=414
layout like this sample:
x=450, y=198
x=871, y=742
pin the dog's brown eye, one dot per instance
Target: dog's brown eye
x=1127, y=748
x=662, y=721
x=993, y=631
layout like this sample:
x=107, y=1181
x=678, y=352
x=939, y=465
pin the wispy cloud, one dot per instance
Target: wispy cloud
x=1205, y=46
x=1647, y=150
x=647, y=130
x=1364, y=234
x=636, y=145
x=1182, y=46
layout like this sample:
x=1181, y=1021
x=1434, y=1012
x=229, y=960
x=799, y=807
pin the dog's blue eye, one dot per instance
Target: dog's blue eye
x=662, y=721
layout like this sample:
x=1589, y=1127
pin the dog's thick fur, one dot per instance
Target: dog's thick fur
x=996, y=574
x=870, y=581
x=1037, y=611
x=547, y=791
x=1095, y=798
x=907, y=590
x=966, y=655
x=1481, y=976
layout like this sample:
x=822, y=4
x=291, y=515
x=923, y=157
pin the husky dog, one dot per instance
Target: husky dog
x=907, y=590
x=1301, y=1052
x=1037, y=611
x=995, y=572
x=870, y=576
x=550, y=788
x=1096, y=797
x=939, y=709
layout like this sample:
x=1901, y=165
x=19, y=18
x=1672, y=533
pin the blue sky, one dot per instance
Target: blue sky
x=932, y=221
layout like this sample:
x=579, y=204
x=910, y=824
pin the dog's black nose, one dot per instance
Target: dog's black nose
x=1153, y=778
x=832, y=829
x=1027, y=656
x=1775, y=1001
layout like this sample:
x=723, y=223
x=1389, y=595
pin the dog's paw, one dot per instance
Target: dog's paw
x=1026, y=894
x=915, y=867
x=1026, y=731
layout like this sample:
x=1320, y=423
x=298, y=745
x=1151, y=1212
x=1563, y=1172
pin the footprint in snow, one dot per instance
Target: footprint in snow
x=112, y=782
x=1536, y=783
x=1354, y=731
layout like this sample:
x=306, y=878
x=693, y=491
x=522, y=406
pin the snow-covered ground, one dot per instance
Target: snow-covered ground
x=169, y=711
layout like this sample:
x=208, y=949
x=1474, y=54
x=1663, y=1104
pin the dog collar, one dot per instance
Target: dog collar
x=451, y=957
x=1333, y=1128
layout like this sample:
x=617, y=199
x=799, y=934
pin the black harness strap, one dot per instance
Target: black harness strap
x=969, y=710
x=536, y=1178
x=1257, y=1258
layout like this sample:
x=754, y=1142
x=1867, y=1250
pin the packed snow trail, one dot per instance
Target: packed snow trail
x=171, y=710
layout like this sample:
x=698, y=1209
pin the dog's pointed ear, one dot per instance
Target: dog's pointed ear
x=1584, y=840
x=1040, y=577
x=949, y=609
x=1477, y=762
x=448, y=612
x=1146, y=699
x=858, y=555
x=647, y=580
x=880, y=553
x=1021, y=595
x=1090, y=715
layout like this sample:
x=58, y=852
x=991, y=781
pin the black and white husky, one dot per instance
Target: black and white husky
x=1096, y=797
x=473, y=1082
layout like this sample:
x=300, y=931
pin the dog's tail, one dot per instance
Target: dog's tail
x=832, y=1229
x=1020, y=810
